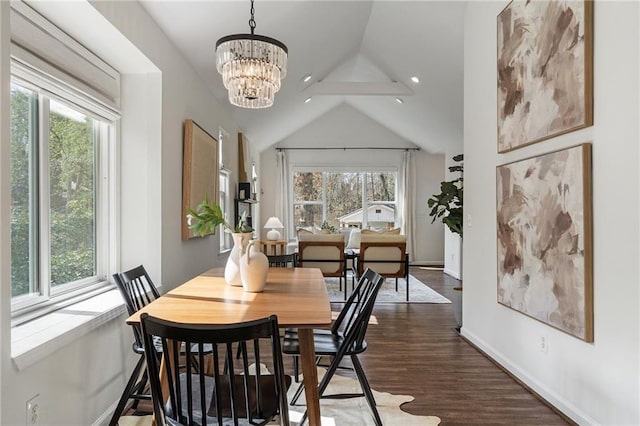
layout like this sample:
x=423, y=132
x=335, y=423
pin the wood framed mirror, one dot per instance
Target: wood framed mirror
x=200, y=171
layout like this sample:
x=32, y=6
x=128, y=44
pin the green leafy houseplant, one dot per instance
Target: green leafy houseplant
x=448, y=204
x=208, y=215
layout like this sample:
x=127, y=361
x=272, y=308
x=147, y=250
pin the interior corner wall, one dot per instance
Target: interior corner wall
x=593, y=383
x=452, y=241
x=351, y=128
x=184, y=95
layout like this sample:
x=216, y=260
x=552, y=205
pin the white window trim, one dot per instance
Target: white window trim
x=35, y=340
x=27, y=308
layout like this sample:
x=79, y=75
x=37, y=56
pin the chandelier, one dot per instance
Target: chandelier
x=251, y=66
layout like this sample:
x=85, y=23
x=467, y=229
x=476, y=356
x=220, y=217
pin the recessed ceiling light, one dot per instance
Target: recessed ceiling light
x=400, y=101
x=415, y=79
x=306, y=101
x=306, y=78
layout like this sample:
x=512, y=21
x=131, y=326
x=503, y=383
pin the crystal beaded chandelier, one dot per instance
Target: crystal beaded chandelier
x=251, y=66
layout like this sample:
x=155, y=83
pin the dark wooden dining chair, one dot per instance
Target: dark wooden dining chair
x=137, y=290
x=283, y=260
x=222, y=394
x=325, y=252
x=346, y=338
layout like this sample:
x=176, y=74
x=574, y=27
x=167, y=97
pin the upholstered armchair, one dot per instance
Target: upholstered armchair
x=323, y=251
x=386, y=255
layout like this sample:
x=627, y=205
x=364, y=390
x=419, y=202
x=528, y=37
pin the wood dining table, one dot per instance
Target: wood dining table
x=298, y=296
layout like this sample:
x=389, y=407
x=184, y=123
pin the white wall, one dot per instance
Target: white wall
x=593, y=383
x=184, y=95
x=344, y=126
x=80, y=382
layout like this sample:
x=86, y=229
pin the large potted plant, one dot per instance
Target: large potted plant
x=447, y=206
x=204, y=220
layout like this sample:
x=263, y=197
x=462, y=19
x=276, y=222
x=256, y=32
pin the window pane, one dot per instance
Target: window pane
x=72, y=189
x=225, y=237
x=307, y=215
x=23, y=190
x=344, y=199
x=307, y=186
x=381, y=186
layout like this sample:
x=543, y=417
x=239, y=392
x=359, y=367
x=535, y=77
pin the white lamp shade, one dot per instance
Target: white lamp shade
x=275, y=224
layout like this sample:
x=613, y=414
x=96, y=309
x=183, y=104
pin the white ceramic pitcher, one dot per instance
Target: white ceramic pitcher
x=232, y=268
x=254, y=266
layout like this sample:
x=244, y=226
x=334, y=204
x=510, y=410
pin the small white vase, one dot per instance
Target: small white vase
x=254, y=266
x=232, y=268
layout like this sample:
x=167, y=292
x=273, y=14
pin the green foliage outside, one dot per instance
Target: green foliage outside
x=72, y=186
x=343, y=194
x=448, y=204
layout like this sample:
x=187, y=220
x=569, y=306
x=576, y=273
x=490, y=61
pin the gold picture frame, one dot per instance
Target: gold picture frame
x=200, y=172
x=544, y=69
x=545, y=239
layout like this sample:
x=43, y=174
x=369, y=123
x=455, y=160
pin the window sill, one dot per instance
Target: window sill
x=39, y=338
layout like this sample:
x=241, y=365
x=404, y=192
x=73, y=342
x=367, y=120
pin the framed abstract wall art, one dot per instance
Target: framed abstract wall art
x=545, y=250
x=545, y=70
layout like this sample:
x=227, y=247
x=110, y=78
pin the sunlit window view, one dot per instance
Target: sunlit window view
x=54, y=194
x=344, y=199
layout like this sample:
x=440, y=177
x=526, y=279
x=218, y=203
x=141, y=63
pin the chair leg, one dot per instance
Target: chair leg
x=127, y=392
x=396, y=284
x=298, y=393
x=407, y=280
x=366, y=388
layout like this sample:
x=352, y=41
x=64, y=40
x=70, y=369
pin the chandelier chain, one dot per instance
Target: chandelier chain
x=252, y=21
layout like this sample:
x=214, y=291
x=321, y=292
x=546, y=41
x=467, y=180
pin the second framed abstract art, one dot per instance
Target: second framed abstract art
x=544, y=232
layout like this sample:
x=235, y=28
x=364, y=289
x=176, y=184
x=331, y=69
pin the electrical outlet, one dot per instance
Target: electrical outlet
x=544, y=344
x=33, y=411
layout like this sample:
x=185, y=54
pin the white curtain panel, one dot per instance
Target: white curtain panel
x=407, y=196
x=282, y=192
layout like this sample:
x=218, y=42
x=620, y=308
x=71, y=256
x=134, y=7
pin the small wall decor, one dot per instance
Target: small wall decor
x=544, y=227
x=199, y=172
x=545, y=70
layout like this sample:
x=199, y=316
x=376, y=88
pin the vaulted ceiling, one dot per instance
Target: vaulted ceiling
x=353, y=49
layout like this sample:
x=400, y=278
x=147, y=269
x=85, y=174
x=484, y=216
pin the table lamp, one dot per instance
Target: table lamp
x=275, y=224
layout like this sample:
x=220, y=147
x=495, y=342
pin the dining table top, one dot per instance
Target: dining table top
x=298, y=296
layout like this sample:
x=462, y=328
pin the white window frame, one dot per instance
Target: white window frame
x=323, y=202
x=225, y=237
x=27, y=307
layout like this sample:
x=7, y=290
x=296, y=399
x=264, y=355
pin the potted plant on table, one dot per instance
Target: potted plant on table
x=204, y=220
x=448, y=206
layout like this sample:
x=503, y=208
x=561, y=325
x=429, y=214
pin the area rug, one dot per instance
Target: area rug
x=355, y=411
x=339, y=412
x=419, y=292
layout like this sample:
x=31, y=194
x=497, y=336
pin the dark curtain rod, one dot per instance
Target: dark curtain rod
x=346, y=148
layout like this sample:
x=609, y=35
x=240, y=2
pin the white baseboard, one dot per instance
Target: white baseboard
x=103, y=420
x=426, y=263
x=551, y=397
x=454, y=274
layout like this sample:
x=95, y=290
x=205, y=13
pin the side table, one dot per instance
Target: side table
x=273, y=247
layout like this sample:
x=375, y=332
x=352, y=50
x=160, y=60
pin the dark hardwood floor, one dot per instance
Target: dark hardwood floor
x=414, y=350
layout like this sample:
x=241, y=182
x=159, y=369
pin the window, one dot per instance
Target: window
x=225, y=206
x=60, y=186
x=365, y=199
